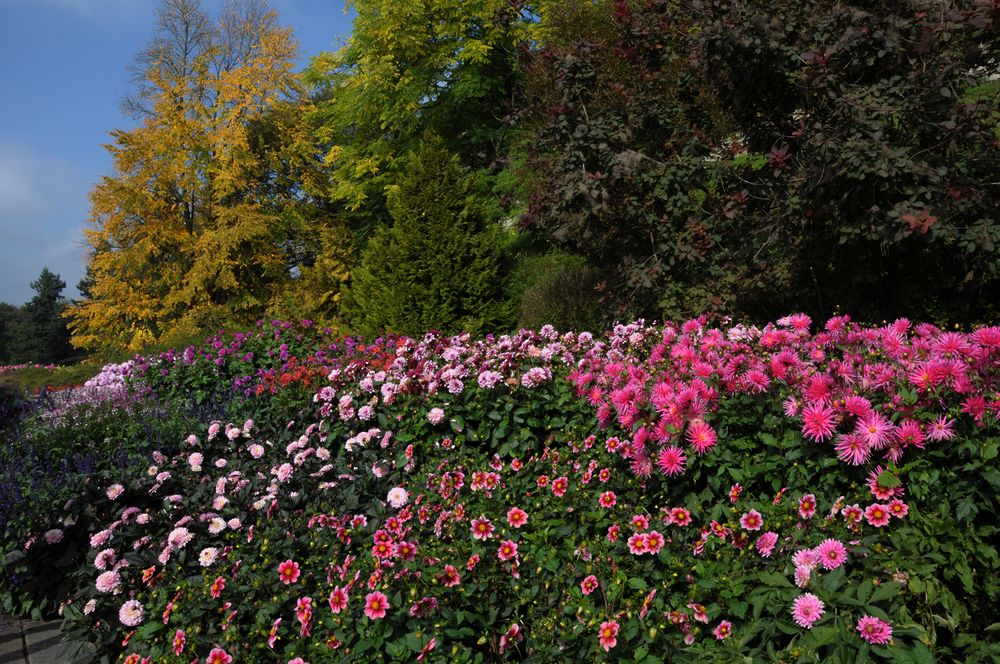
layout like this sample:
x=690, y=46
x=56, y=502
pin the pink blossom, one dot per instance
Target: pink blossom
x=765, y=544
x=100, y=538
x=179, y=641
x=516, y=517
x=723, y=631
x=701, y=436
x=877, y=515
x=803, y=573
x=559, y=486
x=131, y=613
x=752, y=520
x=654, y=542
x=179, y=538
x=807, y=506
x=898, y=508
x=818, y=421
x=375, y=605
x=338, y=599
x=671, y=461
x=607, y=636
x=832, y=554
x=219, y=656
x=507, y=550
x=638, y=544
x=482, y=528
x=807, y=609
x=105, y=559
x=109, y=582
x=288, y=572
x=874, y=630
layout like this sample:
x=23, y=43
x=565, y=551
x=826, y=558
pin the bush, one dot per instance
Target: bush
x=676, y=493
x=751, y=159
x=438, y=266
x=557, y=289
x=57, y=465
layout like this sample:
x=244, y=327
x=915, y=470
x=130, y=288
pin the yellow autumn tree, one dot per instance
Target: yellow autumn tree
x=189, y=232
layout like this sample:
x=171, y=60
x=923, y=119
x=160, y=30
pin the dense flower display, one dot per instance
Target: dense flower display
x=684, y=490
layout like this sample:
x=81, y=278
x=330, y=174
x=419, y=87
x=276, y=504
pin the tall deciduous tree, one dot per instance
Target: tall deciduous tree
x=187, y=231
x=447, y=66
x=438, y=265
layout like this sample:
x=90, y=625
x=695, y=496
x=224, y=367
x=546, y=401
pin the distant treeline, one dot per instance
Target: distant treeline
x=483, y=164
x=37, y=332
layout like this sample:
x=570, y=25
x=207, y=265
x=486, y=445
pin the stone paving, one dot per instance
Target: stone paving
x=31, y=642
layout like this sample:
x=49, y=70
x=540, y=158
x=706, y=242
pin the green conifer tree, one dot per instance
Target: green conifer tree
x=41, y=334
x=438, y=266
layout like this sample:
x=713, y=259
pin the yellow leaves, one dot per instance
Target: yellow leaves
x=178, y=232
x=368, y=166
x=316, y=293
x=333, y=154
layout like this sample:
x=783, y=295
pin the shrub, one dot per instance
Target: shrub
x=751, y=159
x=438, y=266
x=557, y=289
x=667, y=493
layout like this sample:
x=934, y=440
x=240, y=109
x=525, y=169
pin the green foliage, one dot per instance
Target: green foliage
x=558, y=289
x=446, y=66
x=9, y=319
x=438, y=265
x=755, y=159
x=38, y=333
x=34, y=379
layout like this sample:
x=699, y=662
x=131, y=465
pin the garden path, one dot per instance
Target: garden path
x=31, y=642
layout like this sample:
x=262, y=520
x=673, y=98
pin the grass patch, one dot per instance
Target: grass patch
x=31, y=380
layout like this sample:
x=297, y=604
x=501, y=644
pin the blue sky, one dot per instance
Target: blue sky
x=63, y=76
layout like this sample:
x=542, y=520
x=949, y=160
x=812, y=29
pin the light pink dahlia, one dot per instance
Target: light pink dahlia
x=807, y=609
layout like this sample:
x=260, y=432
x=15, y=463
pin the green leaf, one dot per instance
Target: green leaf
x=966, y=508
x=865, y=591
x=775, y=579
x=921, y=654
x=989, y=451
x=822, y=636
x=886, y=590
x=831, y=582
x=888, y=480
x=636, y=583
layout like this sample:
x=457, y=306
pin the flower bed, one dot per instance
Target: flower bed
x=659, y=494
